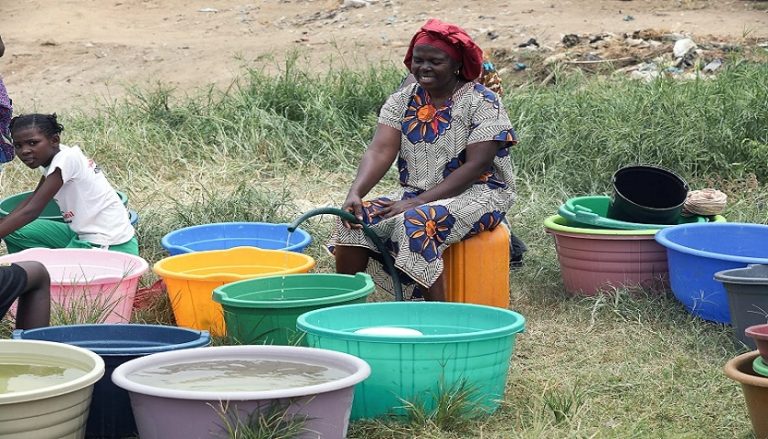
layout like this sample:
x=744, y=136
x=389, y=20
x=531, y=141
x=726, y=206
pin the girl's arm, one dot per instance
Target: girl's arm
x=479, y=159
x=26, y=200
x=34, y=205
x=374, y=164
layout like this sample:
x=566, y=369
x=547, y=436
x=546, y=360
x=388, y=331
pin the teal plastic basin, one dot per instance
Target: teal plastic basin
x=593, y=211
x=461, y=343
x=264, y=310
x=50, y=212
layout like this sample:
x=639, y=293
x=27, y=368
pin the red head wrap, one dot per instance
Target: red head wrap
x=452, y=40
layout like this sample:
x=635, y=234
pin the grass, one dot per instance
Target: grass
x=630, y=364
x=274, y=421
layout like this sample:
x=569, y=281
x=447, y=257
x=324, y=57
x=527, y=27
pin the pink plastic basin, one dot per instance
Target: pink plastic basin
x=594, y=262
x=90, y=278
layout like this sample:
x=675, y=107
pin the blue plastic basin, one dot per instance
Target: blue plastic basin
x=111, y=415
x=222, y=236
x=133, y=216
x=695, y=252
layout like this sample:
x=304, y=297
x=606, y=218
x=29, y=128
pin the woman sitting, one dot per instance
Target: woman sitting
x=450, y=136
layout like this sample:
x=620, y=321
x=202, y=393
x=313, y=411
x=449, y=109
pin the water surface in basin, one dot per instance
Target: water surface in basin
x=16, y=377
x=236, y=375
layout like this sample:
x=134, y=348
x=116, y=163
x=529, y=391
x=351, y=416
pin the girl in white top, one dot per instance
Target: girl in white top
x=94, y=216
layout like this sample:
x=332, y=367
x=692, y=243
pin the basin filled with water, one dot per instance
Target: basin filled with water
x=264, y=310
x=45, y=389
x=418, y=349
x=111, y=415
x=194, y=393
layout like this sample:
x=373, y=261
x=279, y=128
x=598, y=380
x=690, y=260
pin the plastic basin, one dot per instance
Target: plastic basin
x=166, y=413
x=461, y=343
x=221, y=236
x=557, y=222
x=54, y=410
x=759, y=366
x=50, y=212
x=99, y=284
x=696, y=252
x=599, y=261
x=755, y=388
x=264, y=310
x=593, y=211
x=111, y=415
x=760, y=335
x=190, y=279
x=747, y=292
x=133, y=217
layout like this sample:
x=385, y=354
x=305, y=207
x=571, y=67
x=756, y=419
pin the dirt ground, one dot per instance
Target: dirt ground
x=70, y=54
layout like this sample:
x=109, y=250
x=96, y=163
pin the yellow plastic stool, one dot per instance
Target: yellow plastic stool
x=477, y=269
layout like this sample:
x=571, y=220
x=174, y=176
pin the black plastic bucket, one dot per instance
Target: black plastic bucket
x=647, y=194
x=747, y=290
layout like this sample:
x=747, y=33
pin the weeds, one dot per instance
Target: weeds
x=272, y=422
x=563, y=403
x=449, y=409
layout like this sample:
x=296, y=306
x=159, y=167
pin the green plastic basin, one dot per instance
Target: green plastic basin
x=264, y=310
x=459, y=344
x=593, y=211
x=560, y=224
x=760, y=367
x=50, y=212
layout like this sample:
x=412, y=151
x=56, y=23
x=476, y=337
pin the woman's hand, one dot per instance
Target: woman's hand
x=393, y=208
x=354, y=205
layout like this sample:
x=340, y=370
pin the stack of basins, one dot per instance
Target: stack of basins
x=751, y=371
x=608, y=242
x=52, y=211
x=209, y=256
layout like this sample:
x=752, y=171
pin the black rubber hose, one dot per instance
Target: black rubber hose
x=347, y=216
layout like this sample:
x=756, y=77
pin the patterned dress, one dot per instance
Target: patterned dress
x=433, y=144
x=6, y=112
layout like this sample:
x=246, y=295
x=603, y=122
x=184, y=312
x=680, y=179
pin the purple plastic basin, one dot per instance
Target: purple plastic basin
x=170, y=413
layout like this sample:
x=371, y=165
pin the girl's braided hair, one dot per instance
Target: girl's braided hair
x=46, y=123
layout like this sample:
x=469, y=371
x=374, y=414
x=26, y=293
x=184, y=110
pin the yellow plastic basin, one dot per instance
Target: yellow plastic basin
x=190, y=279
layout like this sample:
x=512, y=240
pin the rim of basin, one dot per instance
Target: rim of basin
x=226, y=256
x=484, y=334
x=737, y=366
x=60, y=352
x=360, y=371
x=220, y=294
x=555, y=223
x=758, y=332
x=104, y=333
x=306, y=238
x=662, y=237
x=137, y=266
